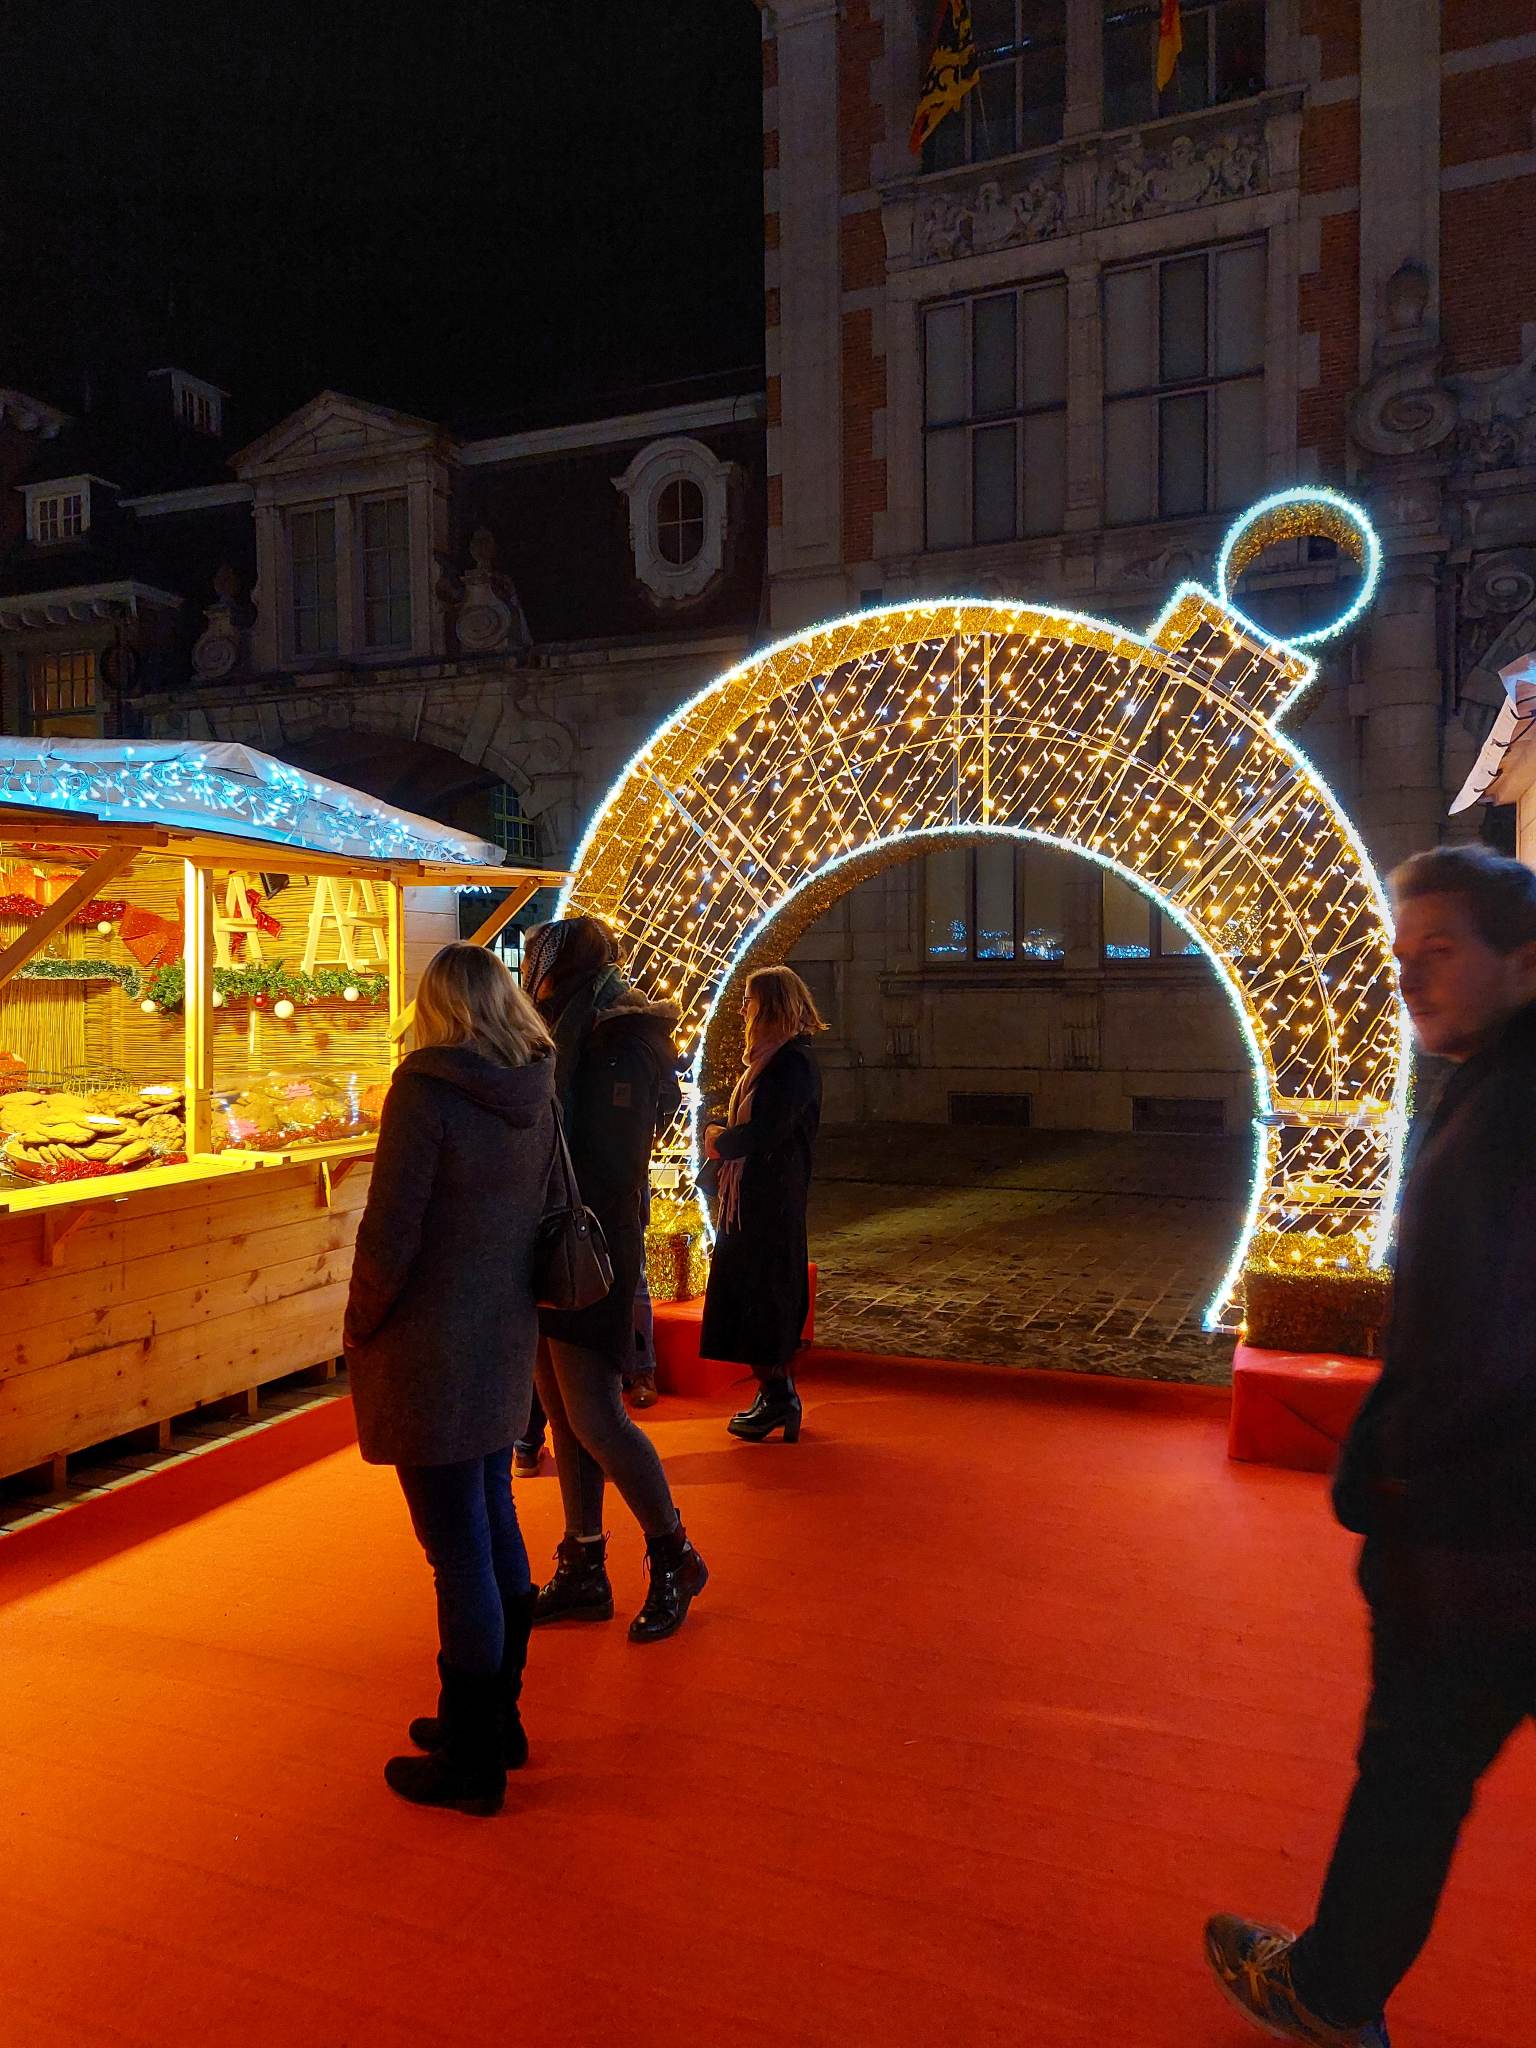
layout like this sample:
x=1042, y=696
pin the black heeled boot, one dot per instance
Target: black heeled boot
x=579, y=1591
x=678, y=1576
x=777, y=1407
x=466, y=1772
x=429, y=1731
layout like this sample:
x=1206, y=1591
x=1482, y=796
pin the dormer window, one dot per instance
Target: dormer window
x=59, y=510
x=196, y=403
x=679, y=497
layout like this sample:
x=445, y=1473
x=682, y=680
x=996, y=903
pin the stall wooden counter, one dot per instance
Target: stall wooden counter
x=205, y=965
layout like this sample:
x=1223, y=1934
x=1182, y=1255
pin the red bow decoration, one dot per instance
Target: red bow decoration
x=100, y=910
x=154, y=941
x=266, y=924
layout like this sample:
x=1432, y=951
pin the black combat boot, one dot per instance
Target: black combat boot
x=678, y=1576
x=579, y=1591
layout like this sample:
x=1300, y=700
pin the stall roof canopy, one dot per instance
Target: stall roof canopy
x=1507, y=762
x=222, y=791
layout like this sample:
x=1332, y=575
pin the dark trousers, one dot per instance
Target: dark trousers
x=596, y=1439
x=1446, y=1695
x=466, y=1523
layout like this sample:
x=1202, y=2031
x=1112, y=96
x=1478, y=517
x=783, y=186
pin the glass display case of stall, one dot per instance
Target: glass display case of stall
x=300, y=1046
x=92, y=1070
x=204, y=960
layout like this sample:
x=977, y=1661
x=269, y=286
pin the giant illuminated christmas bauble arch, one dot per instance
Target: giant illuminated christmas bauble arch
x=867, y=740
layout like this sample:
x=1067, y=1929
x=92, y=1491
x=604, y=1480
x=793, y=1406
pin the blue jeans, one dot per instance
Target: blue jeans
x=466, y=1523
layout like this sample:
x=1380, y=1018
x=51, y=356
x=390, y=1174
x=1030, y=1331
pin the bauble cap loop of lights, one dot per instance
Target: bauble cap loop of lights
x=1306, y=513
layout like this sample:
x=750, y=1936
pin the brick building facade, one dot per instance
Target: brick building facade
x=1061, y=350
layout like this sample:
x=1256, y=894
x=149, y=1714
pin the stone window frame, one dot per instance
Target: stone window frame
x=1027, y=407
x=900, y=537
x=1019, y=958
x=347, y=507
x=642, y=485
x=1206, y=385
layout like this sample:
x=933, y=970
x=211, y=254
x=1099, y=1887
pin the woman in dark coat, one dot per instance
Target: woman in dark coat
x=616, y=1074
x=758, y=1299
x=440, y=1335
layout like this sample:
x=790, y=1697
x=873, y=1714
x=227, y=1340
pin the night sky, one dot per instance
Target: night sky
x=484, y=213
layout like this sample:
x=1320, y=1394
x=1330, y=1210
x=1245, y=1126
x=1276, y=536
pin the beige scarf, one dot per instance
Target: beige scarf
x=731, y=1170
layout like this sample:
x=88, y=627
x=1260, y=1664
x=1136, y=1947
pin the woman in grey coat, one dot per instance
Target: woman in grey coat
x=440, y=1336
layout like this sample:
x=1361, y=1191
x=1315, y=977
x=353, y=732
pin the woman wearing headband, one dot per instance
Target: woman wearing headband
x=616, y=1080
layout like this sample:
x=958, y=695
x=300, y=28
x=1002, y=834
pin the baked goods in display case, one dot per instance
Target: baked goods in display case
x=97, y=1030
x=280, y=1111
x=54, y=1135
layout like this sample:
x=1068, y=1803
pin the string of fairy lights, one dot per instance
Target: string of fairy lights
x=1159, y=758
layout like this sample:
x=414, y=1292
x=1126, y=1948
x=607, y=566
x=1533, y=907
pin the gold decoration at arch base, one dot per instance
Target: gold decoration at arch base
x=799, y=773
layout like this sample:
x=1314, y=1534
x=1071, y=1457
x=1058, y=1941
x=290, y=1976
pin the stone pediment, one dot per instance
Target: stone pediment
x=334, y=428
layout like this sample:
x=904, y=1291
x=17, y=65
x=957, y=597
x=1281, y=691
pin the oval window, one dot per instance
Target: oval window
x=679, y=521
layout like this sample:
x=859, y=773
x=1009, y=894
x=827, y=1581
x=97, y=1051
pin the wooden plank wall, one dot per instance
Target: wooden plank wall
x=167, y=1299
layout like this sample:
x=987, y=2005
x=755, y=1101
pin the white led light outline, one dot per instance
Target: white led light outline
x=1052, y=619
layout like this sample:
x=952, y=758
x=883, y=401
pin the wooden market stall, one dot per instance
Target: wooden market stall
x=205, y=966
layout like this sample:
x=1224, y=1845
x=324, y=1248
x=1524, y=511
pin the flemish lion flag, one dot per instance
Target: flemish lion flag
x=952, y=69
x=1170, y=41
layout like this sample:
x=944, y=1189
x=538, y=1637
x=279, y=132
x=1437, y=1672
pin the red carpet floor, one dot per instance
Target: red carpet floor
x=1000, y=1684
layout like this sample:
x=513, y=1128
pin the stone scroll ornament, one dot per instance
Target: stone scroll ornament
x=871, y=739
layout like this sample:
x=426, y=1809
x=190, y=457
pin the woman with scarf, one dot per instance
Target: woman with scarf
x=616, y=1083
x=758, y=1299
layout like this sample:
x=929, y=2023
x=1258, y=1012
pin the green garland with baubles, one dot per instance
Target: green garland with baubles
x=267, y=985
x=264, y=985
x=128, y=979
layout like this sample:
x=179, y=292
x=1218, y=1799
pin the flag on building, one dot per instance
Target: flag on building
x=1170, y=41
x=952, y=69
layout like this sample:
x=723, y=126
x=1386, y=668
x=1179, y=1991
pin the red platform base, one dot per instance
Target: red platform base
x=680, y=1369
x=1294, y=1408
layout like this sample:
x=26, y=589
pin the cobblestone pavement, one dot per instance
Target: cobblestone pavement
x=1082, y=1251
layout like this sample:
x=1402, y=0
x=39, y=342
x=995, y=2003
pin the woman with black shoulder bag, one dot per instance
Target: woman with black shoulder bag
x=616, y=1081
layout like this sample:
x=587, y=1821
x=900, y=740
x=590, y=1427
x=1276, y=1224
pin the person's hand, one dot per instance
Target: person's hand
x=711, y=1140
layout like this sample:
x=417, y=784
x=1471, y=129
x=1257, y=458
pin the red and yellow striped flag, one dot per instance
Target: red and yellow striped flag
x=1170, y=41
x=952, y=70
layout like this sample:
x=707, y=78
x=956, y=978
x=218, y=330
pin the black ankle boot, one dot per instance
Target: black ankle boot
x=579, y=1591
x=466, y=1771
x=777, y=1407
x=678, y=1576
x=428, y=1731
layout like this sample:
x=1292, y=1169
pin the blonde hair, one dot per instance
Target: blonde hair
x=785, y=1006
x=468, y=997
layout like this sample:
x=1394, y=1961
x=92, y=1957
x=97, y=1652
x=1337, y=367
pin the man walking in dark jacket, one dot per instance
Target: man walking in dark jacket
x=1439, y=1473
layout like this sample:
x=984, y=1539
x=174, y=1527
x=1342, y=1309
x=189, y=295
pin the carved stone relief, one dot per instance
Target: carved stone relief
x=1490, y=643
x=1498, y=419
x=220, y=649
x=1140, y=182
x=1405, y=406
x=988, y=217
x=483, y=603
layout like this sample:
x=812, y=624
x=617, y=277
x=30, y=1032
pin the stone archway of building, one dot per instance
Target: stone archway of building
x=801, y=772
x=416, y=775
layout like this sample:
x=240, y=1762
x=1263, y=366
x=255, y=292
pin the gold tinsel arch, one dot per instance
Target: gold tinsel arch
x=773, y=793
